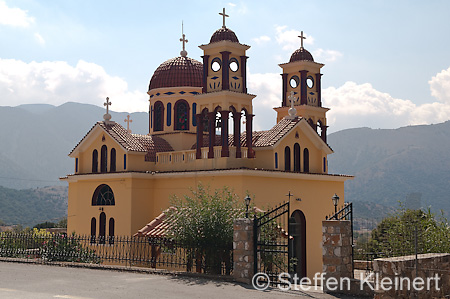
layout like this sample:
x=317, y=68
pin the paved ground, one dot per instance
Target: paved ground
x=40, y=281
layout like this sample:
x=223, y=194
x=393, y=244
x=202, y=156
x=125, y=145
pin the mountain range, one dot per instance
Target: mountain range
x=389, y=165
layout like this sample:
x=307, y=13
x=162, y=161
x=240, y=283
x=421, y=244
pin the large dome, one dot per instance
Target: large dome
x=178, y=71
x=224, y=34
x=301, y=55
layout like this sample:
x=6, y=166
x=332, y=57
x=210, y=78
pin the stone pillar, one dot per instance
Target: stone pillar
x=324, y=133
x=303, y=89
x=225, y=70
x=337, y=249
x=243, y=255
x=284, y=90
x=205, y=73
x=199, y=118
x=224, y=138
x=244, y=73
x=212, y=133
x=319, y=89
x=237, y=133
x=249, y=128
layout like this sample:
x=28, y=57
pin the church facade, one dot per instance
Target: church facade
x=200, y=131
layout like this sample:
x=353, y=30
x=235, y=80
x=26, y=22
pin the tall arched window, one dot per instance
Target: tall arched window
x=103, y=196
x=287, y=158
x=158, y=120
x=104, y=159
x=93, y=229
x=95, y=161
x=306, y=160
x=169, y=114
x=111, y=231
x=297, y=157
x=181, y=115
x=112, y=164
x=102, y=228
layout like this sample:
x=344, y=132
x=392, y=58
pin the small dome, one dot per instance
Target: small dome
x=178, y=71
x=224, y=34
x=301, y=55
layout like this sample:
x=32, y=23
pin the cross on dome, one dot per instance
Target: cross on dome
x=107, y=116
x=224, y=15
x=301, y=38
x=183, y=53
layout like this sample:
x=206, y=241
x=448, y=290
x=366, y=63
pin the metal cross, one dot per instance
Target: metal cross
x=289, y=195
x=107, y=104
x=224, y=16
x=128, y=121
x=302, y=38
x=183, y=40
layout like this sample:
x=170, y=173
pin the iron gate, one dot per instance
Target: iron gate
x=271, y=243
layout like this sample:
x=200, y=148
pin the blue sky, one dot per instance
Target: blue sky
x=387, y=63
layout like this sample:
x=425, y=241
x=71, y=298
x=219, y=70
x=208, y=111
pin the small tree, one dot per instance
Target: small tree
x=396, y=235
x=204, y=225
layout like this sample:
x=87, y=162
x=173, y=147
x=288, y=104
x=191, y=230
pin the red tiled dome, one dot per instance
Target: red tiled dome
x=301, y=54
x=178, y=71
x=224, y=34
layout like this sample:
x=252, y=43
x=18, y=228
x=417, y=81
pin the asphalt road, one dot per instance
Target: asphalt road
x=40, y=281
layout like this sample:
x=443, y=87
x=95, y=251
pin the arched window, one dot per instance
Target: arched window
x=276, y=160
x=158, y=120
x=93, y=229
x=103, y=196
x=306, y=160
x=111, y=231
x=181, y=115
x=112, y=164
x=324, y=164
x=102, y=228
x=297, y=157
x=287, y=158
x=95, y=161
x=104, y=159
x=194, y=113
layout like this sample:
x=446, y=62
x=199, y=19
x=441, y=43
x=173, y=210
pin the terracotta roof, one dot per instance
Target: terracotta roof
x=177, y=72
x=268, y=138
x=301, y=55
x=132, y=142
x=224, y=34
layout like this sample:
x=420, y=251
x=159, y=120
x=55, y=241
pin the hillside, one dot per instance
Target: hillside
x=31, y=206
x=390, y=164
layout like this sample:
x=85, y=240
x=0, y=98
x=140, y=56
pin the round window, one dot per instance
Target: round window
x=216, y=64
x=310, y=82
x=294, y=81
x=234, y=65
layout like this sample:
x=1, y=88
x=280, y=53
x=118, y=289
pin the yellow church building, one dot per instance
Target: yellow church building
x=200, y=131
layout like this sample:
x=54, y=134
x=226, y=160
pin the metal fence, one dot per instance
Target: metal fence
x=161, y=253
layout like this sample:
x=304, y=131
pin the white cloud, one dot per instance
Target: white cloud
x=356, y=105
x=39, y=38
x=262, y=39
x=231, y=4
x=326, y=55
x=15, y=17
x=289, y=39
x=58, y=82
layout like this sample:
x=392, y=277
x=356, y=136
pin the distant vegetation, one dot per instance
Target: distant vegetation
x=31, y=206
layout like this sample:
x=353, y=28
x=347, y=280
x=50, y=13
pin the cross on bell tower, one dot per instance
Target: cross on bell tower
x=301, y=38
x=224, y=15
x=183, y=53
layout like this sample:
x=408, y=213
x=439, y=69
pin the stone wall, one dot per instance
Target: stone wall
x=429, y=265
x=243, y=250
x=337, y=248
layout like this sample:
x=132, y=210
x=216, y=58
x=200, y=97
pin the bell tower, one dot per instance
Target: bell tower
x=224, y=92
x=302, y=78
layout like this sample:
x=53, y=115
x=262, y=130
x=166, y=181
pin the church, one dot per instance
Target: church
x=200, y=131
